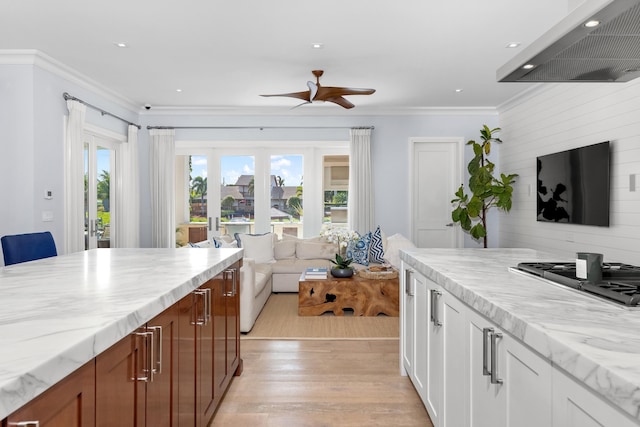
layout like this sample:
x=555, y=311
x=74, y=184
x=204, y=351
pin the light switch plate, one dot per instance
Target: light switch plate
x=47, y=216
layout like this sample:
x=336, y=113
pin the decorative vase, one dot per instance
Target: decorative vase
x=342, y=272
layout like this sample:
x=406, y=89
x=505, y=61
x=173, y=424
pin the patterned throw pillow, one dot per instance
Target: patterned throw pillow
x=376, y=249
x=358, y=250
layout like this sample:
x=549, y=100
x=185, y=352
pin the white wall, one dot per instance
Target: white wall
x=564, y=116
x=32, y=114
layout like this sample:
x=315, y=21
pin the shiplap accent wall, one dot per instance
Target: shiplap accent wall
x=557, y=117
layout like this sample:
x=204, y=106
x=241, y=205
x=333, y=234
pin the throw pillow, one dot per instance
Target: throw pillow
x=221, y=243
x=358, y=250
x=376, y=248
x=257, y=246
x=284, y=249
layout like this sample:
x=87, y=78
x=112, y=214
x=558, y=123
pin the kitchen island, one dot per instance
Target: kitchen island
x=577, y=339
x=60, y=313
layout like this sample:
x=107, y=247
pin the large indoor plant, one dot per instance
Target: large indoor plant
x=486, y=191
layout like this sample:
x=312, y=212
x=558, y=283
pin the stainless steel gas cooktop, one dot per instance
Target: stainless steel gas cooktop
x=620, y=282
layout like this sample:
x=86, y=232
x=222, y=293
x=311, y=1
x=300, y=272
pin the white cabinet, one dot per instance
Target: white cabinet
x=509, y=385
x=576, y=406
x=427, y=312
x=414, y=329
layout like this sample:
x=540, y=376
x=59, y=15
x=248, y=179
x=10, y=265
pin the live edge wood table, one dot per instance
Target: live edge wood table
x=366, y=297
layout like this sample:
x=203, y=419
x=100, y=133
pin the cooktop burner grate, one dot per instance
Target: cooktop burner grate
x=621, y=282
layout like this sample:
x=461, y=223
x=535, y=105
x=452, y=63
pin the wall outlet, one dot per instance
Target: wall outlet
x=47, y=216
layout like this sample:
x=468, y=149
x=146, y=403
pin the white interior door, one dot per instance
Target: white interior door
x=436, y=176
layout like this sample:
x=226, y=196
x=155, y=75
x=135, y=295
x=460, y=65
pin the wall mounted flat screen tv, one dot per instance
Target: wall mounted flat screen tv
x=573, y=186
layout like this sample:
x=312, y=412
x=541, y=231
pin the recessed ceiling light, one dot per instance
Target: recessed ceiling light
x=458, y=90
x=317, y=45
x=178, y=90
x=513, y=45
x=592, y=23
x=121, y=44
x=528, y=66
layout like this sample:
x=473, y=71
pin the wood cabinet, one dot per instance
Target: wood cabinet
x=209, y=346
x=70, y=403
x=171, y=371
x=135, y=377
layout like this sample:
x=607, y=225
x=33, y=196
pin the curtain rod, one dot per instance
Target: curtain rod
x=258, y=127
x=67, y=97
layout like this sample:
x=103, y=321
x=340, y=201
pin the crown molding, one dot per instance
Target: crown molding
x=41, y=60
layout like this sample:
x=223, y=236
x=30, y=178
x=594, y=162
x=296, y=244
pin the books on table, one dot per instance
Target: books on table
x=313, y=273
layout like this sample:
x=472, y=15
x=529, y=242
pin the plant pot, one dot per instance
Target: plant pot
x=342, y=272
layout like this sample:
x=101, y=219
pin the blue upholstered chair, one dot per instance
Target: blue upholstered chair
x=28, y=247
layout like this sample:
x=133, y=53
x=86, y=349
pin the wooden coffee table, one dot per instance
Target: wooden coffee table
x=366, y=297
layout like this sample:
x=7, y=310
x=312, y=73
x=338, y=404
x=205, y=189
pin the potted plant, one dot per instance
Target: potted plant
x=341, y=266
x=486, y=190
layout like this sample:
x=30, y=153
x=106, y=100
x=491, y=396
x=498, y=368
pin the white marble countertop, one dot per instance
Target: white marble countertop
x=596, y=342
x=58, y=313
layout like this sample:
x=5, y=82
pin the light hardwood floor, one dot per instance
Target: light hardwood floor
x=321, y=383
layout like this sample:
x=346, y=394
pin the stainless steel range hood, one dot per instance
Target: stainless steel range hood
x=572, y=52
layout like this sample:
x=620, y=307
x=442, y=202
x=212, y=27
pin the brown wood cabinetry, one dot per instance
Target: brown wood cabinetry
x=134, y=378
x=208, y=324
x=171, y=371
x=70, y=403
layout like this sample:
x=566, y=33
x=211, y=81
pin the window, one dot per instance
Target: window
x=336, y=189
x=255, y=189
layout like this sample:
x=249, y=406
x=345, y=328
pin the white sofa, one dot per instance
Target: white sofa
x=280, y=273
x=272, y=265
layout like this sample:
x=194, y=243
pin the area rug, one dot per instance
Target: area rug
x=279, y=320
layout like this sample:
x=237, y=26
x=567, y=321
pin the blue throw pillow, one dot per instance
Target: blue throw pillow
x=358, y=250
x=376, y=250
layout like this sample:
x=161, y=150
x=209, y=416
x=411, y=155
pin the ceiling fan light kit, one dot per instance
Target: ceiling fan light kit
x=317, y=92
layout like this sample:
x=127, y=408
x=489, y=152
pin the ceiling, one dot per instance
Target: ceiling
x=224, y=54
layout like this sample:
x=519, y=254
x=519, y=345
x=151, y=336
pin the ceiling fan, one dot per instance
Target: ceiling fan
x=317, y=92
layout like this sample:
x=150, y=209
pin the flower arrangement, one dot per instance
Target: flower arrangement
x=339, y=235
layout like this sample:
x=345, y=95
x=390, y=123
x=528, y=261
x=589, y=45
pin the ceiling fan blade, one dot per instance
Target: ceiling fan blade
x=313, y=90
x=300, y=95
x=341, y=102
x=326, y=92
x=300, y=105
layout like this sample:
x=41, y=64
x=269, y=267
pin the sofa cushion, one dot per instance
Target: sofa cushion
x=312, y=250
x=219, y=242
x=298, y=266
x=284, y=249
x=358, y=250
x=257, y=246
x=394, y=244
x=263, y=275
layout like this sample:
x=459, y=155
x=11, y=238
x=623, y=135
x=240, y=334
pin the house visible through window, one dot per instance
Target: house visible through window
x=336, y=189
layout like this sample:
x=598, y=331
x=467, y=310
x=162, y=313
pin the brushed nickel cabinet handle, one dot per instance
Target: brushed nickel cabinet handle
x=435, y=307
x=407, y=282
x=494, y=358
x=145, y=374
x=26, y=424
x=157, y=363
x=485, y=360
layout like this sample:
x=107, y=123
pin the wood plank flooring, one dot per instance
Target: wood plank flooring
x=309, y=383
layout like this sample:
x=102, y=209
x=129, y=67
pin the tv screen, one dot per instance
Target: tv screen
x=573, y=186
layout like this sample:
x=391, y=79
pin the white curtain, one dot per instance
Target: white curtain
x=360, y=186
x=125, y=224
x=74, y=178
x=163, y=160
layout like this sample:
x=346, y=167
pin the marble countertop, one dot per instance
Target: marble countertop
x=596, y=342
x=58, y=313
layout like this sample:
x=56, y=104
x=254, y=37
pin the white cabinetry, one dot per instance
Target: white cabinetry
x=509, y=385
x=414, y=329
x=576, y=406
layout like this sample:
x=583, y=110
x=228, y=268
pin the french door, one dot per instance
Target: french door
x=99, y=195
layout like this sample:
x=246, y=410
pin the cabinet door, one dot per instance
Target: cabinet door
x=120, y=389
x=435, y=352
x=486, y=400
x=69, y=403
x=232, y=283
x=407, y=321
x=453, y=411
x=205, y=342
x=527, y=382
x=162, y=391
x=187, y=360
x=421, y=335
x=576, y=406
